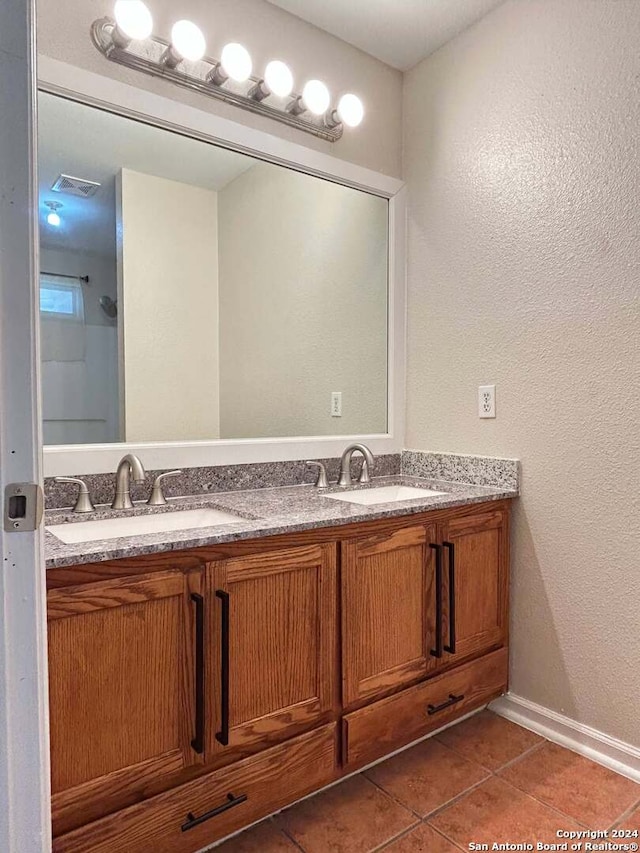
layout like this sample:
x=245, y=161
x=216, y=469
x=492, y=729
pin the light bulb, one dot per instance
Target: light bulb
x=350, y=110
x=188, y=41
x=53, y=219
x=133, y=19
x=236, y=62
x=278, y=78
x=316, y=97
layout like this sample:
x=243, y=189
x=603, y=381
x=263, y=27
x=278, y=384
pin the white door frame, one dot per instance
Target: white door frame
x=25, y=810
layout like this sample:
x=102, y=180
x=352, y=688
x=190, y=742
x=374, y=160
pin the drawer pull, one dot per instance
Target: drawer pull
x=437, y=652
x=192, y=820
x=452, y=700
x=198, y=742
x=451, y=648
x=223, y=735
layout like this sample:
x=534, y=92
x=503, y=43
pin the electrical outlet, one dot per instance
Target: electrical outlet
x=487, y=401
x=336, y=404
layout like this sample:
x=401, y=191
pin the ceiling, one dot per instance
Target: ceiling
x=92, y=144
x=398, y=32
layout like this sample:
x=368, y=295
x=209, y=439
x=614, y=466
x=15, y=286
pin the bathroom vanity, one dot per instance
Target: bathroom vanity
x=198, y=689
x=215, y=659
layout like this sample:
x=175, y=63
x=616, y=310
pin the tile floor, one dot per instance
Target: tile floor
x=482, y=781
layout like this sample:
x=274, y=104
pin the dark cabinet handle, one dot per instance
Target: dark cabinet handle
x=192, y=820
x=452, y=700
x=437, y=652
x=451, y=648
x=198, y=742
x=223, y=735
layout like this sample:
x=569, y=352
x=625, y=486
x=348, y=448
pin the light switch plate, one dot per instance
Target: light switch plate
x=336, y=404
x=487, y=401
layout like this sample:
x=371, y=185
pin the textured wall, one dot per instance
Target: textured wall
x=522, y=160
x=303, y=306
x=168, y=318
x=268, y=33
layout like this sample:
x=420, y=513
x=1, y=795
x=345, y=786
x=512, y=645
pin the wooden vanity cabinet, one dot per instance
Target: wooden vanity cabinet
x=387, y=622
x=192, y=690
x=121, y=688
x=152, y=674
x=272, y=666
x=475, y=585
x=421, y=599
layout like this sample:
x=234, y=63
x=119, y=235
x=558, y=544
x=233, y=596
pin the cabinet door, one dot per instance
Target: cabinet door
x=475, y=553
x=387, y=626
x=272, y=657
x=121, y=673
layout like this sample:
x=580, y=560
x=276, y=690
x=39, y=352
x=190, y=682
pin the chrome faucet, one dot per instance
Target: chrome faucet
x=323, y=481
x=83, y=501
x=368, y=465
x=128, y=467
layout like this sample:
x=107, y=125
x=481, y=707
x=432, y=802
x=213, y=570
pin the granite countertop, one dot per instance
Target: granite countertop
x=262, y=512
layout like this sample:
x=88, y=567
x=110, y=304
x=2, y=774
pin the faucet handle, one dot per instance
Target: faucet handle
x=364, y=473
x=83, y=502
x=323, y=481
x=157, y=498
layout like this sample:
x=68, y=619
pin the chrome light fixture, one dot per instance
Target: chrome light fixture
x=128, y=40
x=133, y=21
x=235, y=64
x=278, y=80
x=316, y=97
x=350, y=111
x=187, y=42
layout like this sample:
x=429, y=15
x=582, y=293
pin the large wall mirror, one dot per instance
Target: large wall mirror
x=190, y=292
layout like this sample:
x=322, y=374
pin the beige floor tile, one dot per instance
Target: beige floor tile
x=631, y=822
x=422, y=839
x=264, y=838
x=353, y=817
x=496, y=812
x=570, y=783
x=426, y=776
x=489, y=740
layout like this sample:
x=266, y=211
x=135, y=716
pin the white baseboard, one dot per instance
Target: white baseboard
x=598, y=746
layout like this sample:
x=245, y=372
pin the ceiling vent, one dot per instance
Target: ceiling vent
x=75, y=186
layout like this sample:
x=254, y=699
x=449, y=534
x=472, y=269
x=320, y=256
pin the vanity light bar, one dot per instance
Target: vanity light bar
x=128, y=40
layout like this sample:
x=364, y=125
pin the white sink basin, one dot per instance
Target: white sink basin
x=384, y=495
x=139, y=525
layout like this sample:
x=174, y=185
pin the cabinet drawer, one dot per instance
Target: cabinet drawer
x=232, y=797
x=377, y=729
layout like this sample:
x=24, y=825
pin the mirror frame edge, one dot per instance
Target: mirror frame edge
x=60, y=78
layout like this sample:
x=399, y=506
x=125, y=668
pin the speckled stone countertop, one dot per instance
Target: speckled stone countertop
x=262, y=512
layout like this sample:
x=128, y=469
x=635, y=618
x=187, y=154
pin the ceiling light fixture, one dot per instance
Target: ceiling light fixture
x=128, y=40
x=53, y=217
